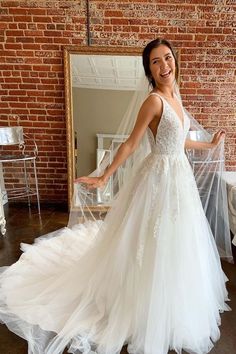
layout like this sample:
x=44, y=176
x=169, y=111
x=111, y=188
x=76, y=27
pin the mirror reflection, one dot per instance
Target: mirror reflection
x=102, y=87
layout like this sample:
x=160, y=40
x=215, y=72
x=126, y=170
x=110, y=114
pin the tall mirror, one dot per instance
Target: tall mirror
x=99, y=84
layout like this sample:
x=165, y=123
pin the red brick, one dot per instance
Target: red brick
x=42, y=19
x=9, y=98
x=50, y=47
x=33, y=60
x=24, y=19
x=62, y=40
x=37, y=111
x=41, y=68
x=17, y=92
x=43, y=73
x=42, y=124
x=113, y=13
x=20, y=111
x=22, y=26
x=204, y=30
x=24, y=53
x=119, y=21
x=45, y=99
x=12, y=26
x=43, y=40
x=49, y=81
x=7, y=53
x=12, y=33
x=24, y=39
x=27, y=86
x=18, y=104
x=30, y=80
x=38, y=11
x=3, y=104
x=23, y=67
x=3, y=25
x=52, y=61
x=9, y=3
x=6, y=18
x=53, y=33
x=34, y=33
x=13, y=45
x=9, y=86
x=31, y=46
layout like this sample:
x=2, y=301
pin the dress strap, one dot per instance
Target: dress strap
x=163, y=99
x=156, y=94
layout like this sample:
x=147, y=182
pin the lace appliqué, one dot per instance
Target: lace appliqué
x=159, y=165
x=167, y=148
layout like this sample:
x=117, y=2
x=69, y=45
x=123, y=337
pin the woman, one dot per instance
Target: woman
x=148, y=276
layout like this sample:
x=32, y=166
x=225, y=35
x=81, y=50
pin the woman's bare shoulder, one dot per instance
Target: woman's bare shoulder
x=152, y=103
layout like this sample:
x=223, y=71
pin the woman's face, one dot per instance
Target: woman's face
x=162, y=65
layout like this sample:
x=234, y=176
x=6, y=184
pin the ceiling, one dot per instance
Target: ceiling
x=115, y=72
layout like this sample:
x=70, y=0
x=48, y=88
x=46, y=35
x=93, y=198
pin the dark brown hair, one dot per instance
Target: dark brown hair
x=146, y=58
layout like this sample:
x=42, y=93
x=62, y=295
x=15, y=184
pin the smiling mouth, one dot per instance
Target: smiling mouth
x=166, y=74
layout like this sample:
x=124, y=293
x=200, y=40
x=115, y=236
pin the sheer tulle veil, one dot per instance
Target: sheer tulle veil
x=99, y=284
x=208, y=166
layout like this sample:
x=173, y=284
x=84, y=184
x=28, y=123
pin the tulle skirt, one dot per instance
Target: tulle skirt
x=148, y=276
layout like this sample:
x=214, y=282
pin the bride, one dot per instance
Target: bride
x=149, y=275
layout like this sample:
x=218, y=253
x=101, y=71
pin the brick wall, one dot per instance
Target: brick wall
x=33, y=34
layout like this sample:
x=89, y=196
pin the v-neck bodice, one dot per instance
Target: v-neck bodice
x=171, y=131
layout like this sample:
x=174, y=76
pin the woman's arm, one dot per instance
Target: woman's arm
x=204, y=145
x=149, y=109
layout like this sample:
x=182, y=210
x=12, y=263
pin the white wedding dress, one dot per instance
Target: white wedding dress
x=149, y=275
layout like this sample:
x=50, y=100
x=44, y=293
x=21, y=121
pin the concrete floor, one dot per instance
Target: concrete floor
x=23, y=225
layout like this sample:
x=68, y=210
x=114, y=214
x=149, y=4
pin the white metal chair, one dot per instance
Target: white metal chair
x=14, y=138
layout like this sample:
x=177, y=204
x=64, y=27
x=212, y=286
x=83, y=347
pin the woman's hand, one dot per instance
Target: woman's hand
x=92, y=182
x=218, y=136
x=205, y=145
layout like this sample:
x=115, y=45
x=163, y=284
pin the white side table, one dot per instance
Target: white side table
x=2, y=216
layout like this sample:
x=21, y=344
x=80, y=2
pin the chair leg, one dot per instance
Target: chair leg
x=36, y=186
x=3, y=225
x=26, y=183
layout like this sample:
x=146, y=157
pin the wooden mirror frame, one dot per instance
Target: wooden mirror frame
x=68, y=50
